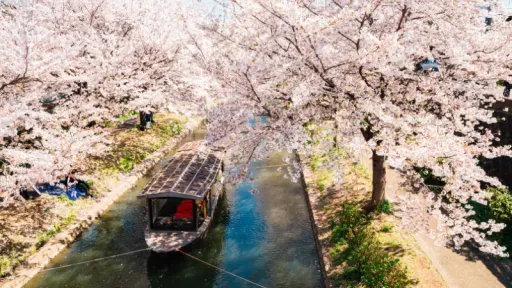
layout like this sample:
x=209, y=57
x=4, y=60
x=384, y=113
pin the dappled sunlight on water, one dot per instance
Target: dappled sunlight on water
x=265, y=237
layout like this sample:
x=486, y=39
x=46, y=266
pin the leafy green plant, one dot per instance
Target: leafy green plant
x=324, y=180
x=173, y=128
x=5, y=265
x=368, y=263
x=500, y=204
x=44, y=237
x=348, y=219
x=386, y=228
x=126, y=164
x=69, y=219
x=7, y=262
x=385, y=207
x=316, y=161
x=126, y=116
x=131, y=158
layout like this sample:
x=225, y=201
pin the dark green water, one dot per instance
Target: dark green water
x=265, y=237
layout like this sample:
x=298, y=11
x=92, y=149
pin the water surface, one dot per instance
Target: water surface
x=264, y=236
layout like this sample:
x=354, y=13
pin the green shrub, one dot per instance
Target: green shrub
x=6, y=264
x=69, y=219
x=386, y=228
x=44, y=237
x=126, y=116
x=385, y=207
x=497, y=207
x=500, y=204
x=324, y=180
x=315, y=162
x=173, y=128
x=368, y=263
x=126, y=164
x=349, y=219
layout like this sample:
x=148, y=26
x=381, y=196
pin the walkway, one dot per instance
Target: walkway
x=468, y=269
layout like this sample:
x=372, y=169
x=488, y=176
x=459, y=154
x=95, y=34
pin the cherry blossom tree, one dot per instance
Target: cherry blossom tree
x=355, y=68
x=67, y=66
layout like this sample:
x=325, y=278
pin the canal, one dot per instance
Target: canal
x=264, y=236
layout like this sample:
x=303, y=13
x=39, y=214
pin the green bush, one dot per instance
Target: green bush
x=69, y=219
x=386, y=228
x=499, y=208
x=315, y=162
x=348, y=220
x=385, y=207
x=126, y=164
x=324, y=180
x=173, y=128
x=500, y=204
x=126, y=116
x=44, y=237
x=6, y=264
x=368, y=263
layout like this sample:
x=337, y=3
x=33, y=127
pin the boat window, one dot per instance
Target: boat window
x=173, y=214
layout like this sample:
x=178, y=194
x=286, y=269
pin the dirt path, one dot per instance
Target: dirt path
x=456, y=269
x=467, y=269
x=357, y=186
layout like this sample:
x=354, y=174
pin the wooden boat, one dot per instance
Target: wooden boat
x=181, y=199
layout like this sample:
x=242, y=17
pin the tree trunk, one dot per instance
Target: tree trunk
x=142, y=119
x=379, y=179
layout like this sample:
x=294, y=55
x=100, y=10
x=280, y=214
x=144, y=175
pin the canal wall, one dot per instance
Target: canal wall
x=38, y=261
x=308, y=183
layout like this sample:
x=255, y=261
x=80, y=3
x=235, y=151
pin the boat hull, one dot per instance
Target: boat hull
x=164, y=241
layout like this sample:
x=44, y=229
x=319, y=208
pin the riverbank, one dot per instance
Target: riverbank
x=37, y=230
x=261, y=232
x=326, y=200
x=467, y=267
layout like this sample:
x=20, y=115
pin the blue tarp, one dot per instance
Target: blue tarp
x=72, y=193
x=430, y=65
x=261, y=119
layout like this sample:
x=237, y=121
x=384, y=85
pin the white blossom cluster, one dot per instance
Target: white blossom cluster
x=67, y=66
x=356, y=65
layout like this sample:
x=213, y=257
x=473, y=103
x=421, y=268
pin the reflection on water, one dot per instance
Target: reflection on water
x=265, y=237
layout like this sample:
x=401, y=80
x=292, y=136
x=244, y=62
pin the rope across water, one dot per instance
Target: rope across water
x=147, y=249
x=220, y=269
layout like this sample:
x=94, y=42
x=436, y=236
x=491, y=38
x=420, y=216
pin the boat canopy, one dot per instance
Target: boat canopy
x=189, y=173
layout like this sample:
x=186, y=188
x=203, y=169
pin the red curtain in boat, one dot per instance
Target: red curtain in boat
x=185, y=209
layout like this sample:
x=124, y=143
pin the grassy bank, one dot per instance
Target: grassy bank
x=28, y=226
x=362, y=250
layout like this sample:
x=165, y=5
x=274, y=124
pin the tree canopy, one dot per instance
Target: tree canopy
x=411, y=81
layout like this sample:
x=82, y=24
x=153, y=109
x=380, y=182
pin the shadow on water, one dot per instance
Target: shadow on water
x=178, y=270
x=265, y=237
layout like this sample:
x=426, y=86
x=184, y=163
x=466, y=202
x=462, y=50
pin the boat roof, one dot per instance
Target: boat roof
x=189, y=173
